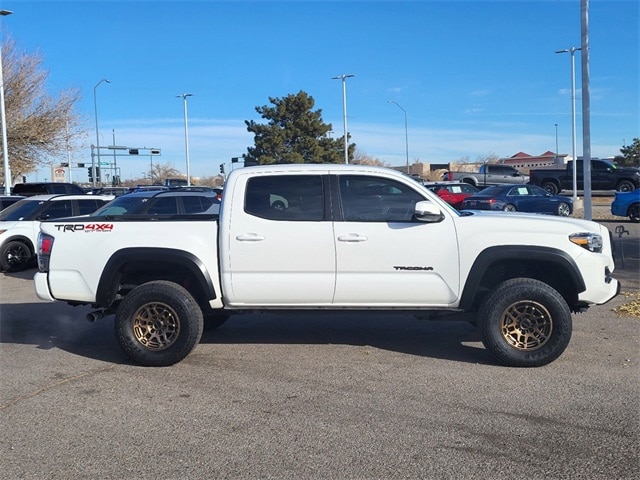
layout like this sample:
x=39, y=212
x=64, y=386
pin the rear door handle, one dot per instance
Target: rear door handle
x=352, y=238
x=249, y=237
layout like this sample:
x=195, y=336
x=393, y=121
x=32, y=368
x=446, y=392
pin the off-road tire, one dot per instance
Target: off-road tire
x=525, y=323
x=158, y=324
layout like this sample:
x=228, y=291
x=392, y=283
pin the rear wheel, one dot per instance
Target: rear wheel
x=509, y=208
x=15, y=255
x=551, y=187
x=634, y=212
x=158, y=323
x=563, y=209
x=525, y=323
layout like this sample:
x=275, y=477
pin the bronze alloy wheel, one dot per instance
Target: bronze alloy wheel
x=156, y=326
x=526, y=325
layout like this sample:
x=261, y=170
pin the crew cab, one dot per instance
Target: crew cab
x=353, y=238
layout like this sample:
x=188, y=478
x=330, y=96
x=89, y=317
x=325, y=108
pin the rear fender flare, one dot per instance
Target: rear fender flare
x=111, y=274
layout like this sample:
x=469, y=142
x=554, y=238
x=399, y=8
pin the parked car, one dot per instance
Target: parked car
x=43, y=188
x=519, y=198
x=627, y=204
x=20, y=223
x=6, y=200
x=183, y=200
x=452, y=192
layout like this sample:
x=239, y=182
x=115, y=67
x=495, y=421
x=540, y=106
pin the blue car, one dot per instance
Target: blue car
x=627, y=204
x=519, y=198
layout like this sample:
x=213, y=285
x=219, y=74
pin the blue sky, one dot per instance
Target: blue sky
x=475, y=77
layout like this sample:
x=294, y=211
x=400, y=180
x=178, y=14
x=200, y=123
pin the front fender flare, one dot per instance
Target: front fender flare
x=518, y=253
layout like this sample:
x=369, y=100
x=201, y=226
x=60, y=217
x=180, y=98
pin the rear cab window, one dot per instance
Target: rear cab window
x=286, y=197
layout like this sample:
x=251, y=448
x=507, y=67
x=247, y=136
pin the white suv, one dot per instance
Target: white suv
x=20, y=223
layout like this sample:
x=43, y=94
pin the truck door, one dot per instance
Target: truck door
x=280, y=242
x=384, y=256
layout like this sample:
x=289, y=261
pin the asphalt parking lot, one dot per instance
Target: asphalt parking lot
x=350, y=396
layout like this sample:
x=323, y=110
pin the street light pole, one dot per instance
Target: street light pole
x=95, y=108
x=406, y=132
x=186, y=133
x=556, y=156
x=3, y=115
x=344, y=77
x=572, y=51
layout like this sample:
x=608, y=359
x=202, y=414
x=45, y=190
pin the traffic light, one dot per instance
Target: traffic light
x=222, y=168
x=90, y=171
x=98, y=174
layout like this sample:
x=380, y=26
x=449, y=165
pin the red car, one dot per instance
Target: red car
x=452, y=192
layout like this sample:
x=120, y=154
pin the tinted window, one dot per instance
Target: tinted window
x=22, y=210
x=85, y=207
x=196, y=204
x=164, y=206
x=58, y=209
x=30, y=188
x=286, y=197
x=373, y=199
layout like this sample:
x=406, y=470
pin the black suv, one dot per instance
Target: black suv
x=43, y=188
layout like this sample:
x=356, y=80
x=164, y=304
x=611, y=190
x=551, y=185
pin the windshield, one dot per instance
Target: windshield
x=21, y=210
x=122, y=206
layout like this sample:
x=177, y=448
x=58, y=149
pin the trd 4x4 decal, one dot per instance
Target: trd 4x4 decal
x=89, y=228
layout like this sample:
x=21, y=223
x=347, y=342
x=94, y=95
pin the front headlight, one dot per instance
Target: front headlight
x=590, y=241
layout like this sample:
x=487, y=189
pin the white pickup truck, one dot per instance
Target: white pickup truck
x=347, y=238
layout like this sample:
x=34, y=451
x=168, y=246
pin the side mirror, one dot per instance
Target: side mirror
x=428, y=212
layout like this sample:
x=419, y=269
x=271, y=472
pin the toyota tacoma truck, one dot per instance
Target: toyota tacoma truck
x=348, y=238
x=605, y=175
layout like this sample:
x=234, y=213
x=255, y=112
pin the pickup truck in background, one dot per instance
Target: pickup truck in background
x=605, y=175
x=489, y=174
x=348, y=238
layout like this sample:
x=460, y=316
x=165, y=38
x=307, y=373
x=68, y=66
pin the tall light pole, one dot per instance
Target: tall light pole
x=95, y=108
x=344, y=77
x=406, y=132
x=556, y=156
x=186, y=133
x=572, y=51
x=5, y=150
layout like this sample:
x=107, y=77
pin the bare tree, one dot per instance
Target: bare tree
x=164, y=170
x=40, y=127
x=362, y=158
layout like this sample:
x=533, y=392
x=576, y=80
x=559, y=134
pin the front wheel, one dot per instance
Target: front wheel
x=158, y=324
x=525, y=323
